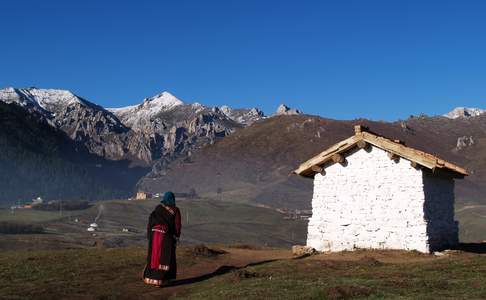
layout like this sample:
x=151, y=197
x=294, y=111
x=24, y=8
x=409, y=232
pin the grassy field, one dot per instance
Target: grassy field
x=31, y=215
x=45, y=274
x=472, y=222
x=204, y=221
x=115, y=274
x=366, y=278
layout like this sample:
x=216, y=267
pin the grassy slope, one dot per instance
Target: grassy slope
x=366, y=278
x=472, y=223
x=43, y=274
x=258, y=159
x=28, y=215
x=204, y=221
x=254, y=163
x=115, y=274
x=208, y=221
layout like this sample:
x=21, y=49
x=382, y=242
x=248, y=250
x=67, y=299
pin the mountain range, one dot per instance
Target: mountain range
x=237, y=154
x=148, y=135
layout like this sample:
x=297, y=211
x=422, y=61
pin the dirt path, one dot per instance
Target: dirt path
x=206, y=268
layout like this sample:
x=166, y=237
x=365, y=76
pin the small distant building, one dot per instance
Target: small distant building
x=373, y=192
x=37, y=201
x=143, y=196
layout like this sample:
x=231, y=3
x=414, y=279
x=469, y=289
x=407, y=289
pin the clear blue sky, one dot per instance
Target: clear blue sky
x=339, y=59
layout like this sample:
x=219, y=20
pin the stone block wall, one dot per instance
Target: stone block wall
x=371, y=201
x=442, y=229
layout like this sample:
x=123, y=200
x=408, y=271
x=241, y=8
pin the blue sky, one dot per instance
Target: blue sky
x=338, y=59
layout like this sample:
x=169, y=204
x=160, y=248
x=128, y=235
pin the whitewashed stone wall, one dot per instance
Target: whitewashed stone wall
x=442, y=229
x=374, y=202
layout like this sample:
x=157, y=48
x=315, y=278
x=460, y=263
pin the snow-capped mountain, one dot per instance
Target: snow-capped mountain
x=45, y=99
x=154, y=132
x=166, y=133
x=136, y=116
x=55, y=105
x=464, y=112
x=160, y=127
x=173, y=127
x=84, y=122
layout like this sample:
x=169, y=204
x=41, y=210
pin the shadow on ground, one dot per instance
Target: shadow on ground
x=479, y=248
x=220, y=271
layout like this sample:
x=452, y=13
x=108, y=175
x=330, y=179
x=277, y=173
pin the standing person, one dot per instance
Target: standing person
x=163, y=230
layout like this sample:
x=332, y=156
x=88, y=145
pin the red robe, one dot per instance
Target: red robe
x=163, y=228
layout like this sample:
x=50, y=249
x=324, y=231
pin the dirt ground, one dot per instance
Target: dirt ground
x=234, y=258
x=244, y=272
x=240, y=258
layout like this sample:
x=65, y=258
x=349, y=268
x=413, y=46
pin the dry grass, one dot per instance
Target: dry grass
x=115, y=274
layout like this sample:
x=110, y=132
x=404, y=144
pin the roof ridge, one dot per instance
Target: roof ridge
x=396, y=147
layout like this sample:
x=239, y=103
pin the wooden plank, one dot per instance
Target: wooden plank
x=338, y=158
x=399, y=149
x=305, y=168
x=317, y=169
x=392, y=156
x=425, y=159
x=362, y=138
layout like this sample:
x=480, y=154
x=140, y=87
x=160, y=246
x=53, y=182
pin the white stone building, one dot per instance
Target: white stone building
x=372, y=192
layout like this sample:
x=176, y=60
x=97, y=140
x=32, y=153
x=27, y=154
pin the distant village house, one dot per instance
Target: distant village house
x=373, y=192
x=143, y=196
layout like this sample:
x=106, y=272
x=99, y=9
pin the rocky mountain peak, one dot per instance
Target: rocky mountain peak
x=140, y=115
x=464, y=112
x=285, y=110
x=83, y=122
x=163, y=100
x=225, y=109
x=243, y=116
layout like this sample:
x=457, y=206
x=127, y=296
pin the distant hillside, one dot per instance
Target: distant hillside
x=254, y=164
x=52, y=138
x=39, y=160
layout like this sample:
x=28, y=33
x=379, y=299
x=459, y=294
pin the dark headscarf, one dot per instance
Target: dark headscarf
x=169, y=199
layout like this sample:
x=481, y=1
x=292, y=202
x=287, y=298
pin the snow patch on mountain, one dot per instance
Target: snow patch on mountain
x=152, y=105
x=464, y=112
x=164, y=100
x=145, y=111
x=285, y=110
x=46, y=99
x=198, y=107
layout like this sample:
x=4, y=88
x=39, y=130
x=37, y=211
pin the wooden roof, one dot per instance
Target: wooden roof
x=362, y=138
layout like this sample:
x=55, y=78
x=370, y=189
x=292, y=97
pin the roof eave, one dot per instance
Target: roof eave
x=305, y=169
x=424, y=159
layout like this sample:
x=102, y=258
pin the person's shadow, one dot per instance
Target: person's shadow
x=220, y=271
x=478, y=248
